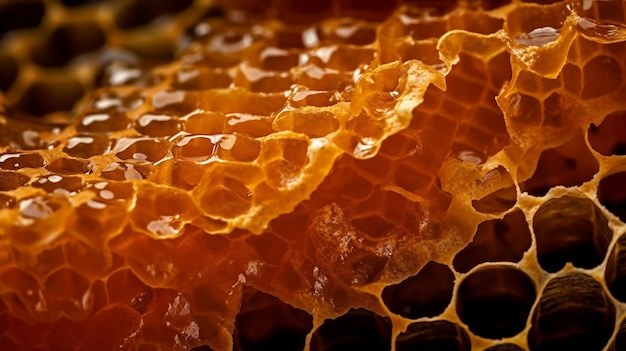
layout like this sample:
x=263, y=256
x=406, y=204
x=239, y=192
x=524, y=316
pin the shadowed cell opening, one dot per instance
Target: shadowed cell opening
x=504, y=347
x=358, y=329
x=609, y=138
x=612, y=194
x=573, y=313
x=570, y=229
x=266, y=323
x=495, y=302
x=615, y=273
x=496, y=240
x=425, y=294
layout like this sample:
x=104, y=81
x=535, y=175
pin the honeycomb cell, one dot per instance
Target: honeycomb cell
x=432, y=336
x=253, y=331
x=495, y=301
x=498, y=240
x=139, y=12
x=570, y=164
x=357, y=329
x=570, y=229
x=21, y=14
x=46, y=96
x=426, y=294
x=573, y=313
x=12, y=180
x=66, y=165
x=67, y=42
x=606, y=137
x=86, y=146
x=612, y=195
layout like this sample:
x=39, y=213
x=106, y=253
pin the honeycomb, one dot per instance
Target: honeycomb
x=317, y=175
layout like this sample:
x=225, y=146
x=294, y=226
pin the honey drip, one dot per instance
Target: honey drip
x=285, y=175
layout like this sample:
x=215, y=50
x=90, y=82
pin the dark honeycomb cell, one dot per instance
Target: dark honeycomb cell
x=495, y=301
x=573, y=313
x=20, y=14
x=496, y=240
x=433, y=336
x=615, y=273
x=358, y=329
x=141, y=12
x=608, y=138
x=67, y=42
x=426, y=294
x=285, y=331
x=43, y=97
x=570, y=164
x=498, y=201
x=570, y=229
x=612, y=194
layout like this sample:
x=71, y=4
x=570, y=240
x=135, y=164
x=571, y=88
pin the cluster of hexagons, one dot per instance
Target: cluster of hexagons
x=317, y=174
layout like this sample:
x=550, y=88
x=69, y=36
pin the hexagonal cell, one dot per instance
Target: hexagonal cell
x=426, y=294
x=612, y=194
x=615, y=273
x=570, y=229
x=602, y=75
x=20, y=14
x=496, y=240
x=433, y=336
x=66, y=42
x=358, y=329
x=67, y=165
x=574, y=313
x=285, y=330
x=43, y=97
x=495, y=301
x=607, y=138
x=142, y=12
x=570, y=164
x=12, y=180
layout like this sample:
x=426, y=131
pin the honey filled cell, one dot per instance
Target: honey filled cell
x=312, y=175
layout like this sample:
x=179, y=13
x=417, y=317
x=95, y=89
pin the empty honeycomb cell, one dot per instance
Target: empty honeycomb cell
x=140, y=12
x=43, y=97
x=253, y=331
x=357, y=329
x=570, y=164
x=606, y=138
x=21, y=14
x=504, y=347
x=497, y=240
x=426, y=294
x=67, y=42
x=615, y=273
x=570, y=229
x=433, y=336
x=495, y=301
x=612, y=195
x=602, y=75
x=573, y=313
